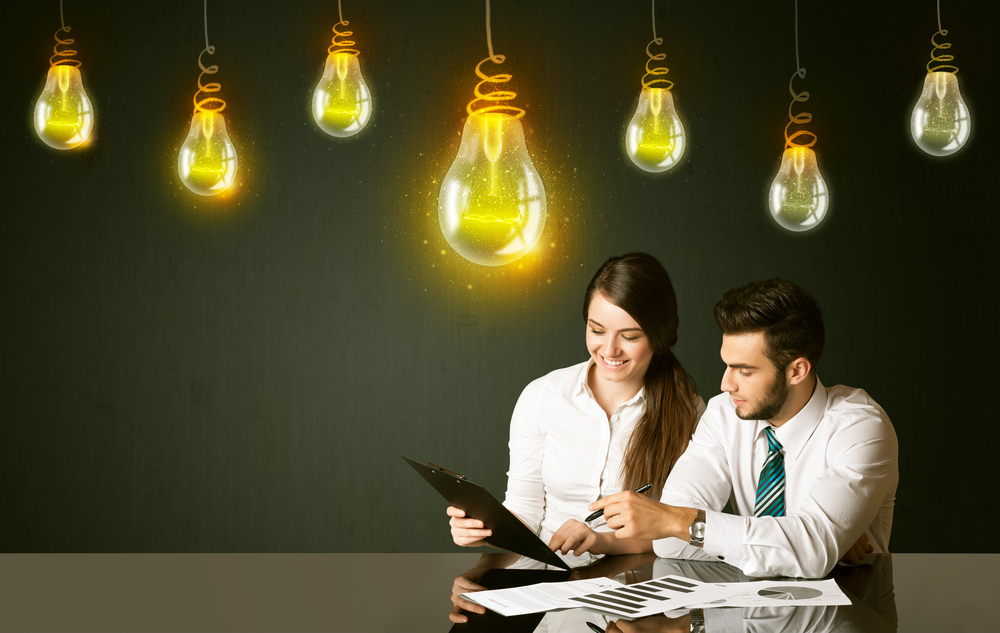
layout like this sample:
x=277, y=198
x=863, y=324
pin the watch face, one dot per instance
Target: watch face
x=698, y=530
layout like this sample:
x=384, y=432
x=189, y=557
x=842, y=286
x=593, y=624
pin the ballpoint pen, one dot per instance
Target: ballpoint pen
x=593, y=516
x=594, y=627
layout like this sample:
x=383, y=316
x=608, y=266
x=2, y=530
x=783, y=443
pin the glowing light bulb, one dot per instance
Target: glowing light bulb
x=799, y=197
x=940, y=122
x=655, y=139
x=492, y=203
x=64, y=115
x=207, y=160
x=342, y=102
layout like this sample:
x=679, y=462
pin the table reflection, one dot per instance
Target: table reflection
x=868, y=585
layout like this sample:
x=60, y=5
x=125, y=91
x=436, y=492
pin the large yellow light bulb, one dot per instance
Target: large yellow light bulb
x=342, y=102
x=799, y=197
x=207, y=160
x=64, y=115
x=940, y=122
x=655, y=139
x=492, y=203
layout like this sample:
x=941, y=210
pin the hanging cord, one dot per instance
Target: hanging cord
x=935, y=58
x=61, y=57
x=494, y=98
x=803, y=117
x=344, y=44
x=208, y=104
x=653, y=77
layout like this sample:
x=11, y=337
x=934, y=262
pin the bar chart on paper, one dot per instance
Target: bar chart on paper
x=652, y=596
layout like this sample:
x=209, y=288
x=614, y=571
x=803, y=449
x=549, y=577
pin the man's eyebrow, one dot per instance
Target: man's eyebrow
x=741, y=366
x=628, y=329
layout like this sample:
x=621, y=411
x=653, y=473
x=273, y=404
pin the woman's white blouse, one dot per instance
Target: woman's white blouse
x=564, y=451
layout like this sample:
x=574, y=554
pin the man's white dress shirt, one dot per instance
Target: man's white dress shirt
x=840, y=480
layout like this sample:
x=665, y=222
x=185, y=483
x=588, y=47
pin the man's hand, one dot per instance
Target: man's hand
x=634, y=515
x=466, y=532
x=857, y=552
x=466, y=583
x=576, y=536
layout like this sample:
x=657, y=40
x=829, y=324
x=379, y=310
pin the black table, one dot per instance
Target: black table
x=406, y=592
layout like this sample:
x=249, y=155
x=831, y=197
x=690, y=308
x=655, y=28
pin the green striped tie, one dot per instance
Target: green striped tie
x=771, y=486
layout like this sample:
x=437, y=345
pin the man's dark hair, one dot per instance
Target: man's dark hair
x=790, y=319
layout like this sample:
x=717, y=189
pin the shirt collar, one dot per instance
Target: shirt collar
x=583, y=389
x=793, y=434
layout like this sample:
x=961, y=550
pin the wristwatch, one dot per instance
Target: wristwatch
x=697, y=621
x=697, y=530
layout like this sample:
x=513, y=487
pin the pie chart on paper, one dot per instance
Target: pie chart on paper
x=790, y=593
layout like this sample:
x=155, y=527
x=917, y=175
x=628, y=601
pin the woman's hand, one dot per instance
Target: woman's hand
x=466, y=583
x=466, y=532
x=576, y=536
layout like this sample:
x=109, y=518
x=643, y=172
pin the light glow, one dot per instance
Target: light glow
x=655, y=139
x=492, y=203
x=207, y=160
x=64, y=115
x=799, y=197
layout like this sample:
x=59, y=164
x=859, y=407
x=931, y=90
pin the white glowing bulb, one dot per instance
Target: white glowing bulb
x=799, y=197
x=940, y=122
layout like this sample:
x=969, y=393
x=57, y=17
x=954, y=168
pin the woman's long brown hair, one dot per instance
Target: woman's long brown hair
x=638, y=284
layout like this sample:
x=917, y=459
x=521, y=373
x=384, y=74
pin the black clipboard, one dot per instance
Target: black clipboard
x=508, y=531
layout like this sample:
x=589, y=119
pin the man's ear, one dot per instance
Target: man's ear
x=798, y=370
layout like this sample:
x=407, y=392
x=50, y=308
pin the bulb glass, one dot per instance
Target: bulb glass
x=799, y=197
x=207, y=160
x=342, y=102
x=492, y=203
x=940, y=122
x=655, y=138
x=64, y=115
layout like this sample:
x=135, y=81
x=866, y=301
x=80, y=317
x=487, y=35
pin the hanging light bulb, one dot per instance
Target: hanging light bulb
x=342, y=102
x=64, y=115
x=492, y=203
x=940, y=122
x=655, y=138
x=207, y=162
x=798, y=198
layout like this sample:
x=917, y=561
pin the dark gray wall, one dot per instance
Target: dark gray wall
x=183, y=374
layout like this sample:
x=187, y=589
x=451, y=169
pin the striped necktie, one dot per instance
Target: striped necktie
x=771, y=486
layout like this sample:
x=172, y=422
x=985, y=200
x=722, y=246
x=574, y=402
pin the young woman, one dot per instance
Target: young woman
x=616, y=422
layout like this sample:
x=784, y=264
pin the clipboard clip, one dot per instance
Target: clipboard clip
x=450, y=472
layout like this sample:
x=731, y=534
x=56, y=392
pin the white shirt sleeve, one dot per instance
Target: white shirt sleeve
x=699, y=479
x=525, y=491
x=840, y=503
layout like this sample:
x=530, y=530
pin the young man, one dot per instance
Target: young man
x=810, y=470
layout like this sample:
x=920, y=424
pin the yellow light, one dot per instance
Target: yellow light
x=342, y=102
x=940, y=122
x=492, y=203
x=655, y=139
x=64, y=115
x=799, y=197
x=207, y=160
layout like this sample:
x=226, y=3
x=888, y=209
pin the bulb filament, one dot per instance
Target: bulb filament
x=493, y=99
x=61, y=57
x=798, y=119
x=342, y=44
x=938, y=59
x=654, y=76
x=208, y=104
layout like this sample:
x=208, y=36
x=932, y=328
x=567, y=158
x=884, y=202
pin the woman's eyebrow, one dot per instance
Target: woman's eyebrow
x=627, y=329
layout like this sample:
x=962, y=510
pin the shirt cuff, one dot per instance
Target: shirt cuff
x=724, y=536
